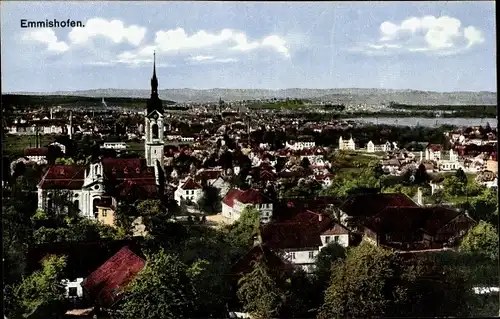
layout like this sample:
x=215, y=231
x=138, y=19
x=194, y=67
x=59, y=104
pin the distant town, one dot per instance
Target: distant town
x=118, y=207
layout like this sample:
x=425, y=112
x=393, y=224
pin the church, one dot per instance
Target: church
x=106, y=181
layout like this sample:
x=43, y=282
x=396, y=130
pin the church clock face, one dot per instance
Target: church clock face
x=155, y=116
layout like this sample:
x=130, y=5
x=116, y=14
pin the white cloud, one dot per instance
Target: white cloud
x=201, y=58
x=209, y=59
x=179, y=40
x=441, y=36
x=48, y=37
x=473, y=35
x=203, y=46
x=114, y=30
x=221, y=46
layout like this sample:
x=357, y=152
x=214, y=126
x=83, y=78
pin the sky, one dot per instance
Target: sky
x=435, y=46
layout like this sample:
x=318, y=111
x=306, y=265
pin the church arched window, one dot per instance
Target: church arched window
x=155, y=130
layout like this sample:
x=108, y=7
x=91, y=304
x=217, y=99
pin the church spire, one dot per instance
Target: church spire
x=154, y=80
x=154, y=102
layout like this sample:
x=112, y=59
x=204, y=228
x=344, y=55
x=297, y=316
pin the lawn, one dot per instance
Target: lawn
x=15, y=144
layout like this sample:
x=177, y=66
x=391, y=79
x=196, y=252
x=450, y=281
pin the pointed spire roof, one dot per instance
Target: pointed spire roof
x=154, y=64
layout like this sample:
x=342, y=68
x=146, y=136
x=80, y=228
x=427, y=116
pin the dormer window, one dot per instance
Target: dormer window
x=125, y=170
x=113, y=170
x=137, y=170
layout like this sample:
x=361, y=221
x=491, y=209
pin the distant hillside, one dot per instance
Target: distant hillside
x=33, y=100
x=370, y=96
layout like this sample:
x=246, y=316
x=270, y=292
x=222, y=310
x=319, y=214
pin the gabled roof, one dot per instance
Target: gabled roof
x=368, y=205
x=302, y=231
x=191, y=184
x=106, y=283
x=336, y=229
x=63, y=177
x=249, y=196
x=245, y=264
x=411, y=219
x=82, y=257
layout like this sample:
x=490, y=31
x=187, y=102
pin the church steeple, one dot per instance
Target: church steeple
x=154, y=102
x=154, y=80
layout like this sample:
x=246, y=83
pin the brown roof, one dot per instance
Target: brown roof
x=245, y=264
x=410, y=219
x=191, y=184
x=337, y=229
x=302, y=231
x=106, y=283
x=249, y=196
x=63, y=177
x=36, y=151
x=371, y=204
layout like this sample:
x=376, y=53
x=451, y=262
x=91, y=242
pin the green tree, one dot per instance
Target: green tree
x=481, y=240
x=242, y=233
x=259, y=293
x=210, y=202
x=452, y=186
x=461, y=176
x=42, y=295
x=326, y=259
x=64, y=161
x=363, y=285
x=163, y=289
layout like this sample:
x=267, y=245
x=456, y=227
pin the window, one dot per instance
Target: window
x=155, y=130
x=336, y=238
x=76, y=203
x=327, y=239
x=104, y=213
x=311, y=254
x=292, y=256
x=72, y=292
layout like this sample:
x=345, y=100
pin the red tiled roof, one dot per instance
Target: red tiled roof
x=137, y=188
x=249, y=196
x=435, y=147
x=106, y=282
x=36, y=151
x=191, y=184
x=209, y=174
x=301, y=231
x=411, y=219
x=371, y=204
x=245, y=264
x=337, y=229
x=63, y=177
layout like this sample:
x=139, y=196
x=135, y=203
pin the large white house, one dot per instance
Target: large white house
x=236, y=200
x=347, y=145
x=188, y=190
x=300, y=239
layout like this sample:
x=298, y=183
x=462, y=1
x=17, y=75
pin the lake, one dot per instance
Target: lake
x=429, y=122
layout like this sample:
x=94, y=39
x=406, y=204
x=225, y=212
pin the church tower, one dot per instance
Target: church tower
x=154, y=128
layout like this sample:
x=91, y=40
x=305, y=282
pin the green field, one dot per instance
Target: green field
x=15, y=144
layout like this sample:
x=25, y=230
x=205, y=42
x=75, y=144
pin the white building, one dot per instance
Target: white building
x=300, y=145
x=74, y=289
x=114, y=145
x=348, y=145
x=301, y=239
x=189, y=190
x=386, y=147
x=237, y=200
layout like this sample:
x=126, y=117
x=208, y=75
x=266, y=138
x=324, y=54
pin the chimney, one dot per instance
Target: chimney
x=320, y=217
x=420, y=200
